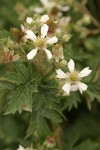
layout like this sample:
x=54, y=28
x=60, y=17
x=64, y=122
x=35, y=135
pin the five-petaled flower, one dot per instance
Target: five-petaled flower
x=73, y=78
x=40, y=42
x=29, y=21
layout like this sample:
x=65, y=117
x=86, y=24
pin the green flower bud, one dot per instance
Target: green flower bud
x=63, y=63
x=66, y=38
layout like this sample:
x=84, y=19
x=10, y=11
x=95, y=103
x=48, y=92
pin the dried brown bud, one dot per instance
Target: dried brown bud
x=54, y=11
x=52, y=26
x=18, y=33
x=58, y=52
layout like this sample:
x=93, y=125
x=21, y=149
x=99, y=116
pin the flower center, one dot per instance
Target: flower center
x=73, y=77
x=40, y=43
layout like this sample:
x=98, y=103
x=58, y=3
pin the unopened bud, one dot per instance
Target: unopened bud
x=63, y=63
x=87, y=19
x=66, y=38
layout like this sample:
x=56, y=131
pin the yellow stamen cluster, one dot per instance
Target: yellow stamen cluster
x=73, y=77
x=40, y=43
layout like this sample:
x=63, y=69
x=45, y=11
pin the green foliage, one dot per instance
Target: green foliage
x=79, y=132
x=28, y=93
x=4, y=34
x=22, y=96
x=23, y=84
x=45, y=107
x=71, y=101
x=38, y=125
x=87, y=145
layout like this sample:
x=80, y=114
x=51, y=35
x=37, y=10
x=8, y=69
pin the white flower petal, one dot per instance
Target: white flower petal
x=71, y=65
x=82, y=87
x=48, y=53
x=22, y=27
x=52, y=40
x=67, y=88
x=31, y=35
x=44, y=18
x=44, y=30
x=60, y=74
x=32, y=54
x=85, y=72
x=29, y=20
x=74, y=87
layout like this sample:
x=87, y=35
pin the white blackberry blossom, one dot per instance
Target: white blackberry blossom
x=73, y=78
x=41, y=42
x=29, y=21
